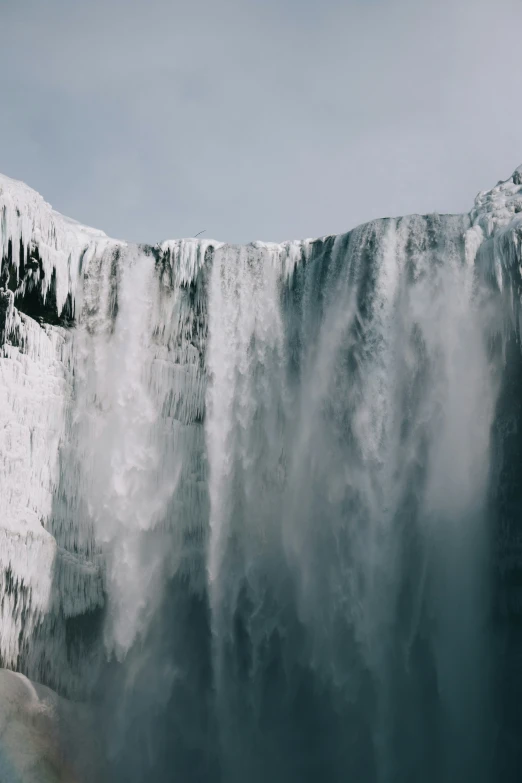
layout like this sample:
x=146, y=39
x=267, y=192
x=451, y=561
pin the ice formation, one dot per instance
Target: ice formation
x=247, y=492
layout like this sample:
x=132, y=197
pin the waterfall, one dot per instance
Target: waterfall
x=258, y=504
x=351, y=401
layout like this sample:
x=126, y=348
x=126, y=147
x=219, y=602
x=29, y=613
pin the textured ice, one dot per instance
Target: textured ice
x=499, y=206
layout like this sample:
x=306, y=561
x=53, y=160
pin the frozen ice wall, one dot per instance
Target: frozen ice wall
x=46, y=579
x=34, y=386
x=103, y=397
x=258, y=502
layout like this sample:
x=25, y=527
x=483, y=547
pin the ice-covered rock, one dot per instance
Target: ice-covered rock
x=44, y=738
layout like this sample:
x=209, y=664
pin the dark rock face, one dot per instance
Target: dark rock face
x=6, y=303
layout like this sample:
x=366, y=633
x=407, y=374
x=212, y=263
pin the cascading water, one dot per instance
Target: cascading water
x=350, y=409
x=261, y=515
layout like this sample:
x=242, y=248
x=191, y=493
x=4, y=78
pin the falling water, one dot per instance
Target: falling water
x=350, y=408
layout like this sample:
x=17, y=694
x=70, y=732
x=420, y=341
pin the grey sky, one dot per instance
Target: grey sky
x=252, y=119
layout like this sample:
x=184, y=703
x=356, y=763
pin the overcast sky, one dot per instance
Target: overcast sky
x=258, y=119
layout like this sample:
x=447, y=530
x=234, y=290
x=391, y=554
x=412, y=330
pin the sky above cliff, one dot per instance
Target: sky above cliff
x=258, y=119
